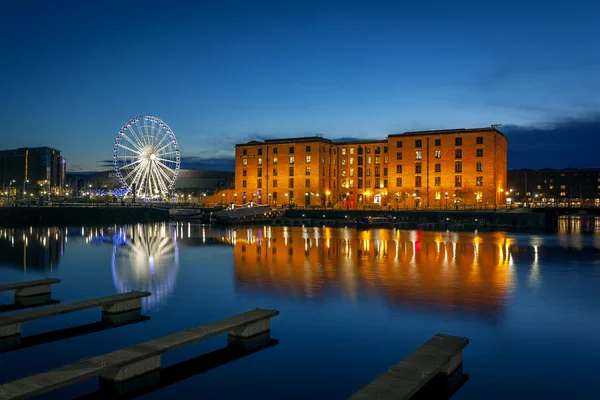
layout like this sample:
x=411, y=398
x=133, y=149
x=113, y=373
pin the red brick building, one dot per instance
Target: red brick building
x=427, y=169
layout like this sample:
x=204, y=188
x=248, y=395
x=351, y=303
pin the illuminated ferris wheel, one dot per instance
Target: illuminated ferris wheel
x=146, y=157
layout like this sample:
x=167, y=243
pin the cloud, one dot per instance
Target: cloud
x=208, y=164
x=568, y=142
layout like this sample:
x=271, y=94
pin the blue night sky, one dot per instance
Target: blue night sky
x=222, y=72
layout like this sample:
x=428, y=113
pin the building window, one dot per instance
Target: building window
x=438, y=196
x=291, y=159
x=562, y=194
x=377, y=171
x=244, y=183
x=244, y=172
x=259, y=160
x=377, y=182
x=417, y=181
x=244, y=161
x=385, y=159
x=291, y=149
x=479, y=197
x=343, y=171
x=343, y=160
x=351, y=171
x=438, y=181
x=438, y=142
x=418, y=155
x=359, y=151
x=275, y=151
x=479, y=167
x=368, y=159
x=245, y=152
x=418, y=143
x=399, y=168
x=385, y=183
x=479, y=152
x=360, y=183
x=274, y=171
x=438, y=154
x=551, y=186
x=344, y=151
x=398, y=182
x=360, y=171
x=351, y=182
x=458, y=141
x=259, y=184
x=259, y=170
x=260, y=151
x=563, y=187
x=458, y=180
x=351, y=160
x=308, y=159
x=308, y=149
x=368, y=171
x=377, y=150
x=438, y=167
x=479, y=140
x=385, y=149
x=307, y=171
x=458, y=153
x=539, y=187
x=458, y=166
x=307, y=183
x=291, y=171
x=417, y=168
x=399, y=155
x=399, y=144
x=368, y=150
x=351, y=150
x=275, y=160
x=291, y=182
x=368, y=183
x=274, y=183
x=377, y=160
x=479, y=181
x=385, y=172
x=360, y=160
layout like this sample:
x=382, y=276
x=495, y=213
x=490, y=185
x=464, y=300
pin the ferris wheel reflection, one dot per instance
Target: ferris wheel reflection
x=145, y=258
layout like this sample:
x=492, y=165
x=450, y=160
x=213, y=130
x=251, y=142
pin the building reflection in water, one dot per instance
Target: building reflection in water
x=145, y=258
x=446, y=271
x=39, y=249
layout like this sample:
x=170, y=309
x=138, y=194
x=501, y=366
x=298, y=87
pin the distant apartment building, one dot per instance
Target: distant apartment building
x=555, y=187
x=32, y=170
x=432, y=169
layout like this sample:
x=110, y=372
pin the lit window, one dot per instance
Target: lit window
x=458, y=180
x=418, y=155
x=291, y=159
x=343, y=160
x=351, y=183
x=438, y=196
x=307, y=171
x=244, y=161
x=351, y=171
x=351, y=150
x=479, y=181
x=274, y=160
x=259, y=160
x=385, y=159
x=563, y=194
x=377, y=160
x=308, y=159
x=438, y=154
x=351, y=160
x=368, y=159
x=344, y=152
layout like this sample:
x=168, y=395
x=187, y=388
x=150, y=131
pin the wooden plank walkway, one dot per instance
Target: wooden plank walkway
x=31, y=315
x=442, y=354
x=30, y=288
x=37, y=384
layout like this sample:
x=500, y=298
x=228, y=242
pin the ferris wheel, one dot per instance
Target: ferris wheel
x=146, y=157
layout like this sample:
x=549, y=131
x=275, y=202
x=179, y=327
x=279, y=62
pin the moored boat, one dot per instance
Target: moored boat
x=373, y=222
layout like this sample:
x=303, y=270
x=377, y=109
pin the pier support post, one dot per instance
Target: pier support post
x=122, y=317
x=132, y=370
x=10, y=330
x=122, y=306
x=251, y=343
x=34, y=300
x=252, y=329
x=32, y=291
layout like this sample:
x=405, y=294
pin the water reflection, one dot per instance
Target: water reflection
x=145, y=257
x=40, y=249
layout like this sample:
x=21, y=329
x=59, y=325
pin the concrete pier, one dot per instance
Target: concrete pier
x=30, y=288
x=440, y=356
x=10, y=325
x=137, y=360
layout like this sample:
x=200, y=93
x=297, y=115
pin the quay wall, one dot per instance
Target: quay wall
x=46, y=216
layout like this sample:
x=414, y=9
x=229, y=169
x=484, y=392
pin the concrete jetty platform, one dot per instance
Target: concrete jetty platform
x=439, y=356
x=10, y=325
x=140, y=359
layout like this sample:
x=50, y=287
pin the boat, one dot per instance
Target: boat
x=373, y=222
x=186, y=213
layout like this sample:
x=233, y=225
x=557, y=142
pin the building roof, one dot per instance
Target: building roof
x=350, y=142
x=287, y=140
x=446, y=132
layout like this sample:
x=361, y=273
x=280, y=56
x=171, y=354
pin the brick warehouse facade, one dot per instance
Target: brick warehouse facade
x=426, y=169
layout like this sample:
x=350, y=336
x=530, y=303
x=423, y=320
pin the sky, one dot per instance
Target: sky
x=225, y=72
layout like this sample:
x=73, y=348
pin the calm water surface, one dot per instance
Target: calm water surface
x=352, y=304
